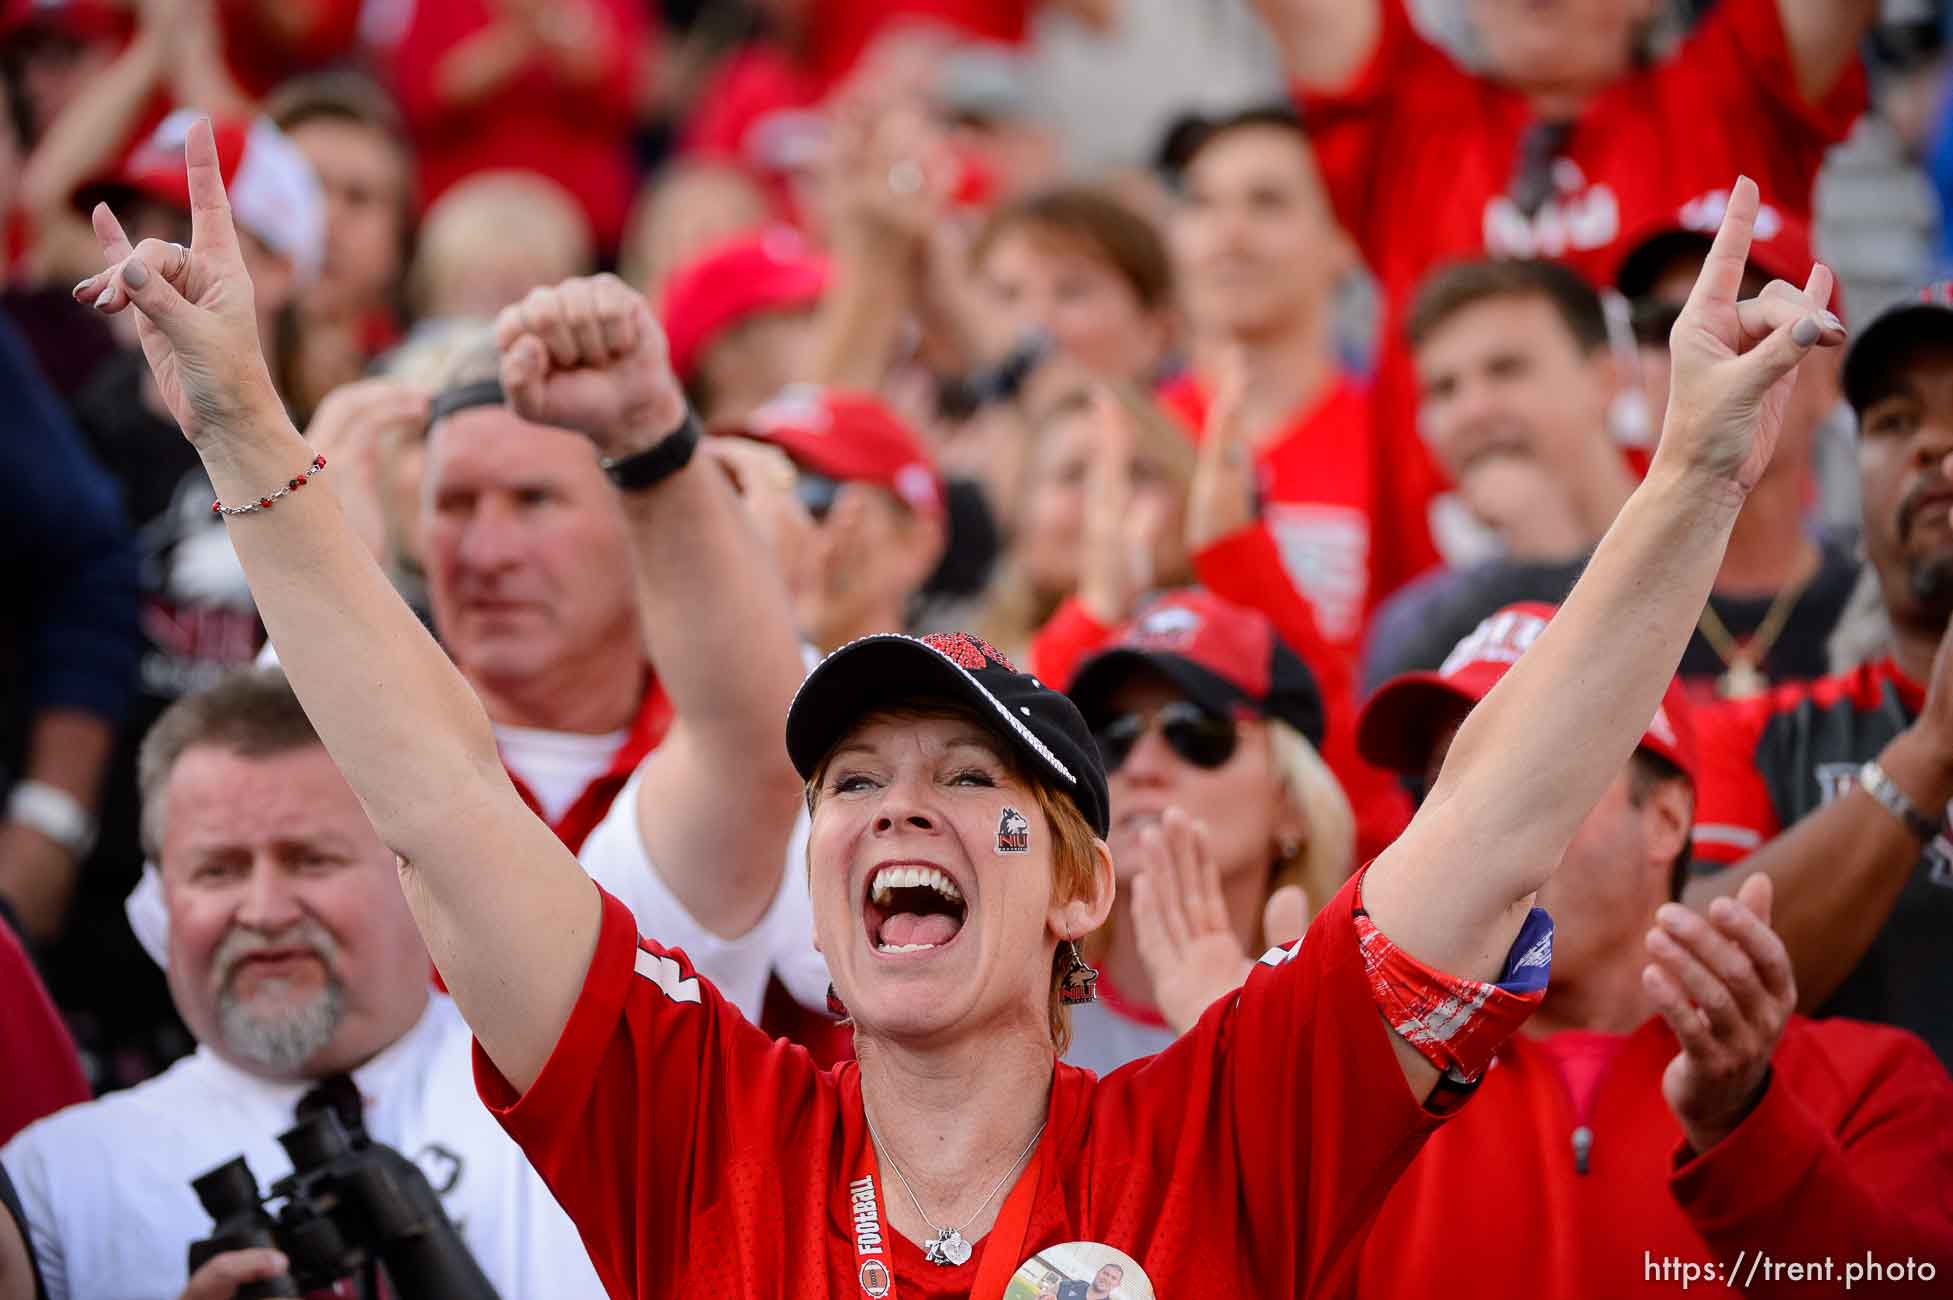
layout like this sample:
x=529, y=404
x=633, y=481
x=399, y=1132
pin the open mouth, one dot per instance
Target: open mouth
x=912, y=909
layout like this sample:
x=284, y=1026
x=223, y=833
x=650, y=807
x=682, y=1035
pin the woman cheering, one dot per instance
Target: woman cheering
x=956, y=856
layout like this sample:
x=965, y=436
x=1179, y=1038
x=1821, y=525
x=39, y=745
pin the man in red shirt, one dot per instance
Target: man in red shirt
x=1838, y=788
x=1259, y=257
x=1664, y=1108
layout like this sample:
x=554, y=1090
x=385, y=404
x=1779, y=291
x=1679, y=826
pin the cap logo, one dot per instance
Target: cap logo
x=1172, y=625
x=966, y=651
x=1500, y=639
x=798, y=406
x=1703, y=214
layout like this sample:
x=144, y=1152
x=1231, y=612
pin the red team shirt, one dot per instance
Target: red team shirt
x=698, y=1157
x=1418, y=154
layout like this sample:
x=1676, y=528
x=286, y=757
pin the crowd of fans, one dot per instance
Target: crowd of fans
x=1274, y=446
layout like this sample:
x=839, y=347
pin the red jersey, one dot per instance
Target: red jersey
x=577, y=134
x=1847, y=1152
x=43, y=1073
x=1321, y=489
x=700, y=1158
x=846, y=29
x=1418, y=155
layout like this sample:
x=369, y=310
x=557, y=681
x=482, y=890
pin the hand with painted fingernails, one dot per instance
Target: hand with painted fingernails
x=587, y=355
x=1735, y=362
x=195, y=315
x=1723, y=984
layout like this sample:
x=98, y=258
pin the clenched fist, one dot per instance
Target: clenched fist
x=588, y=355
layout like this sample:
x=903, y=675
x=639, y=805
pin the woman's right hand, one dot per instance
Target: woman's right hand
x=195, y=314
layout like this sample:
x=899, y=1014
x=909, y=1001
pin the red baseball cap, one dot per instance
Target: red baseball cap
x=1780, y=245
x=770, y=270
x=1224, y=657
x=273, y=191
x=850, y=437
x=1399, y=726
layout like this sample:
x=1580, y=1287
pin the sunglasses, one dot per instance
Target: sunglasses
x=1190, y=732
x=816, y=493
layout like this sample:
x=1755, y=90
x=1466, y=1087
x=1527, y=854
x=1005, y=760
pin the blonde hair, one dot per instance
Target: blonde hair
x=496, y=216
x=1074, y=844
x=1327, y=855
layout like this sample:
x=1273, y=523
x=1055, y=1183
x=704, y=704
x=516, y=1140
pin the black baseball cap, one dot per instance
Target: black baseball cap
x=1224, y=657
x=890, y=669
x=1925, y=317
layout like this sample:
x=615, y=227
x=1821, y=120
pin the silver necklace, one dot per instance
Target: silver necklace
x=948, y=1247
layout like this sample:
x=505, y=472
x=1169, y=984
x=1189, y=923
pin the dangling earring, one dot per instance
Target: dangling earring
x=835, y=1006
x=1076, y=988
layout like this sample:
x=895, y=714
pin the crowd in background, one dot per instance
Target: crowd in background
x=1218, y=362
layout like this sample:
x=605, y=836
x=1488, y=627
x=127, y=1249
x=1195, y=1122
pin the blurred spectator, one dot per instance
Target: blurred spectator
x=294, y=959
x=1663, y=1102
x=1858, y=851
x=49, y=51
x=1086, y=271
x=68, y=654
x=1260, y=258
x=491, y=239
x=1781, y=588
x=687, y=209
x=1518, y=376
x=877, y=505
x=1560, y=146
x=175, y=57
x=741, y=318
x=1088, y=474
x=543, y=86
x=1199, y=707
x=351, y=134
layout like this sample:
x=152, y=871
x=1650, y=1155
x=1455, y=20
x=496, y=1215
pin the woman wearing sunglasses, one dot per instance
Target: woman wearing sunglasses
x=957, y=854
x=1200, y=706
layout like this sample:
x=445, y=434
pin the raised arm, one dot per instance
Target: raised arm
x=717, y=799
x=508, y=916
x=1324, y=43
x=1823, y=36
x=1537, y=753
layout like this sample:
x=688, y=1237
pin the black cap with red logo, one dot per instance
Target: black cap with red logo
x=1226, y=658
x=890, y=670
x=1925, y=317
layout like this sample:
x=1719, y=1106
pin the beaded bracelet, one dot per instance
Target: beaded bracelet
x=264, y=503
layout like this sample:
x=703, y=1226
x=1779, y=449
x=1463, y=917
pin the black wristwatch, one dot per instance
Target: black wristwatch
x=659, y=461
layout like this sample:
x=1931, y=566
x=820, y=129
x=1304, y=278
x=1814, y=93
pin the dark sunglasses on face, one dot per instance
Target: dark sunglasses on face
x=816, y=493
x=1190, y=731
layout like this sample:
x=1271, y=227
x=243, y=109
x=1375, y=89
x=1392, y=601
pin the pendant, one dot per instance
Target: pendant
x=1742, y=681
x=948, y=1249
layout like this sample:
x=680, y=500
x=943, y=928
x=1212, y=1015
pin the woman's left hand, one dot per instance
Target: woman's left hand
x=1186, y=939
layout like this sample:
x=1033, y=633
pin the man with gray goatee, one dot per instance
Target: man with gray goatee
x=292, y=957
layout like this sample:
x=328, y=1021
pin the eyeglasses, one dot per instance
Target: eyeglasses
x=1190, y=731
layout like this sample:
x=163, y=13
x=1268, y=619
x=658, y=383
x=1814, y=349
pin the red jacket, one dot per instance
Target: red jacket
x=42, y=1072
x=1850, y=1151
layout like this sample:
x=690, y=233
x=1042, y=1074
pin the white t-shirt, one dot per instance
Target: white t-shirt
x=557, y=766
x=782, y=942
x=106, y=1184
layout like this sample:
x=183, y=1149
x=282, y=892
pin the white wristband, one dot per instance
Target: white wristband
x=54, y=813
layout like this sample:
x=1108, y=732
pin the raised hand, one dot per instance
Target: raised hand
x=1115, y=568
x=1221, y=499
x=587, y=355
x=1186, y=940
x=1734, y=362
x=1724, y=986
x=195, y=315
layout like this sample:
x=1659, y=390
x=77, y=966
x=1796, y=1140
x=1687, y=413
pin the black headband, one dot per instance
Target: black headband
x=483, y=392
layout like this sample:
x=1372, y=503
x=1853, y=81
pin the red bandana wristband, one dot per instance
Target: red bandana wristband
x=1456, y=1024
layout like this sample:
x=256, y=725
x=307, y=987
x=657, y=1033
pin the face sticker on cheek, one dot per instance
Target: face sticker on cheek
x=1013, y=832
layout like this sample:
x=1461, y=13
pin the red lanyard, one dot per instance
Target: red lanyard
x=1003, y=1245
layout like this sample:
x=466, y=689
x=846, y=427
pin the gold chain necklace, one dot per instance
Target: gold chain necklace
x=1744, y=676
